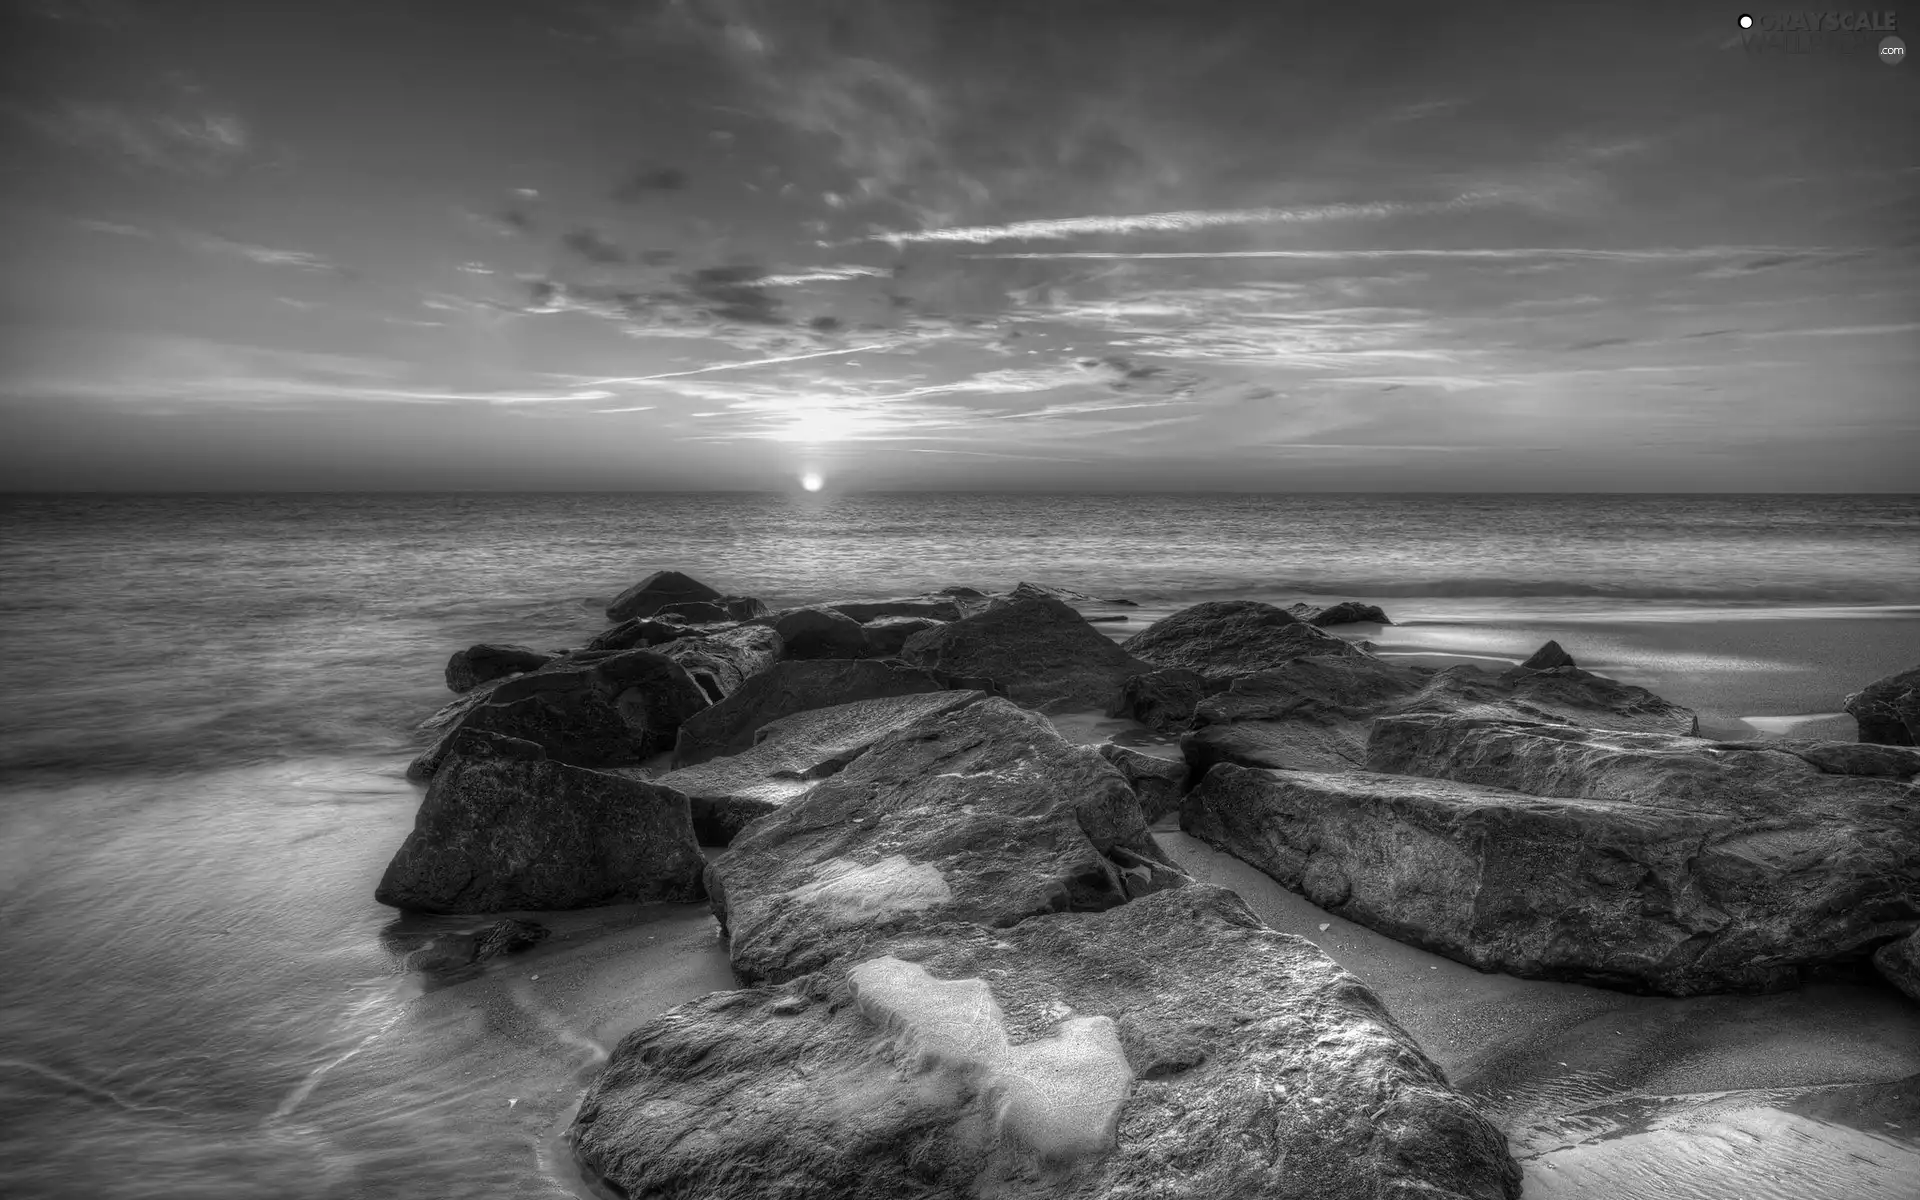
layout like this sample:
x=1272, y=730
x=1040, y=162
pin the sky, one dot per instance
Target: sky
x=958, y=244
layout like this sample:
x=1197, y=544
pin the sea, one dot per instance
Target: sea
x=207, y=703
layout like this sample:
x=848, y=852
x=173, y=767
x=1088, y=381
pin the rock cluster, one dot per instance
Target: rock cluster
x=967, y=966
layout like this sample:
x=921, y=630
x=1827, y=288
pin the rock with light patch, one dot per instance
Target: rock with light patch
x=1170, y=1047
x=1157, y=782
x=1013, y=818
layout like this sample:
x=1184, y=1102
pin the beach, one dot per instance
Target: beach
x=210, y=714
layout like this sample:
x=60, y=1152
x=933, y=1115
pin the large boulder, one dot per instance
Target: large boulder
x=1642, y=861
x=1171, y=1048
x=818, y=633
x=505, y=827
x=1041, y=650
x=1231, y=637
x=979, y=813
x=790, y=687
x=1157, y=782
x=657, y=591
x=1885, y=709
x=791, y=755
x=887, y=636
x=1899, y=964
x=1164, y=700
x=615, y=710
x=1315, y=713
x=476, y=665
x=693, y=612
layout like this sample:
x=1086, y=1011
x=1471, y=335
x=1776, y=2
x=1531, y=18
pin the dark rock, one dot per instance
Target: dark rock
x=693, y=612
x=1036, y=591
x=1634, y=860
x=1884, y=708
x=477, y=664
x=1163, y=700
x=982, y=813
x=791, y=755
x=742, y=608
x=1157, y=782
x=818, y=633
x=1548, y=657
x=1201, y=1056
x=640, y=632
x=1231, y=637
x=790, y=687
x=1108, y=620
x=1315, y=714
x=1899, y=963
x=888, y=635
x=1042, y=651
x=657, y=591
x=1347, y=612
x=1841, y=758
x=508, y=935
x=505, y=827
x=616, y=711
x=938, y=607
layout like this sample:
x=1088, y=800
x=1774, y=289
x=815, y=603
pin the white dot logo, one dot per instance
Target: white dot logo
x=1893, y=51
x=1746, y=22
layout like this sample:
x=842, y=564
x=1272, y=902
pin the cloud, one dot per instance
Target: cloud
x=185, y=141
x=266, y=256
x=1479, y=254
x=590, y=245
x=1187, y=221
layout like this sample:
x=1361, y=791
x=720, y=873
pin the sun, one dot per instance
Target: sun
x=812, y=481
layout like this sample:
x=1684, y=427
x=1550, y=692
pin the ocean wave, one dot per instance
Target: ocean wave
x=1495, y=587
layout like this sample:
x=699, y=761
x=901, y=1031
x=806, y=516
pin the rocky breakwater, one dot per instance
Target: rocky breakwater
x=1644, y=861
x=976, y=975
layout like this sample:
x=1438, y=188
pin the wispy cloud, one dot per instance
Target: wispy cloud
x=1187, y=221
x=192, y=141
x=266, y=256
x=1486, y=254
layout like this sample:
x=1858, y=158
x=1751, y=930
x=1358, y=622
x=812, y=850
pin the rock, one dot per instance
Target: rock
x=1036, y=591
x=657, y=591
x=1315, y=713
x=1347, y=612
x=618, y=710
x=1117, y=620
x=1231, y=637
x=888, y=635
x=1640, y=861
x=1547, y=657
x=508, y=935
x=818, y=633
x=1884, y=708
x=1042, y=651
x=505, y=827
x=640, y=632
x=791, y=755
x=1170, y=1048
x=1163, y=700
x=1157, y=782
x=477, y=664
x=742, y=608
x=980, y=813
x=790, y=687
x=1899, y=962
x=938, y=607
x=693, y=612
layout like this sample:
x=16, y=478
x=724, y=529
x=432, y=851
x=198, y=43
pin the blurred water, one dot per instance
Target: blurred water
x=207, y=702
